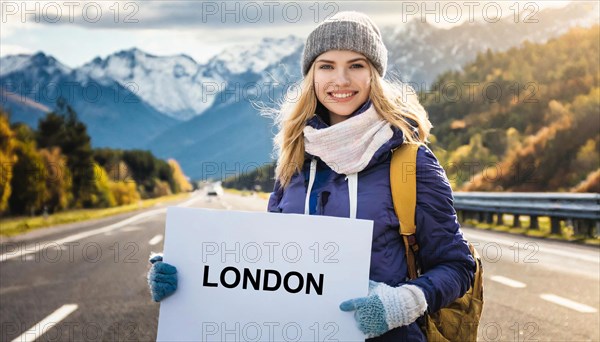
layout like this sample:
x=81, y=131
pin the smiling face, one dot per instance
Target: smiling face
x=342, y=82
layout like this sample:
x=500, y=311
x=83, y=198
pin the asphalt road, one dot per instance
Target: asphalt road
x=87, y=281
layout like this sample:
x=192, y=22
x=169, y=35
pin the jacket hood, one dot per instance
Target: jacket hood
x=317, y=122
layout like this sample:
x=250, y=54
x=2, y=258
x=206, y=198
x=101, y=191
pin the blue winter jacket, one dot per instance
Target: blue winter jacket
x=446, y=263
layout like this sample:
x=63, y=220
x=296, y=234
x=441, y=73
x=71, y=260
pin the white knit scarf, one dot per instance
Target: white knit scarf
x=348, y=146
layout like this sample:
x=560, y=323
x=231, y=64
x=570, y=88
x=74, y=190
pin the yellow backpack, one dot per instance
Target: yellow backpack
x=459, y=320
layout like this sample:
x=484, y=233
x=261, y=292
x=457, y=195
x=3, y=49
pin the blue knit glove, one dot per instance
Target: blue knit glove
x=386, y=308
x=162, y=278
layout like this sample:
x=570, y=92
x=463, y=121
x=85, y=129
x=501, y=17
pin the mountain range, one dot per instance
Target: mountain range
x=206, y=116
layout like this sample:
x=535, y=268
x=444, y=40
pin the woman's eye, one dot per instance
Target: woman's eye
x=353, y=66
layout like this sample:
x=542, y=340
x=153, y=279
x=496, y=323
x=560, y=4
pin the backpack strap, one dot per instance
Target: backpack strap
x=403, y=183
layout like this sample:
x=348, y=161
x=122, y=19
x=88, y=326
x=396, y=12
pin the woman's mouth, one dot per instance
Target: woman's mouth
x=344, y=96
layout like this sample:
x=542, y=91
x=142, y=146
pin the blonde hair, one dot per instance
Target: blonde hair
x=395, y=101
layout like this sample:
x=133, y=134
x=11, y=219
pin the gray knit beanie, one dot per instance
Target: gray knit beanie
x=346, y=31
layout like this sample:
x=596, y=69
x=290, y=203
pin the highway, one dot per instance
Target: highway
x=87, y=281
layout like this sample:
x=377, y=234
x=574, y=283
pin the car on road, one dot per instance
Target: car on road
x=214, y=189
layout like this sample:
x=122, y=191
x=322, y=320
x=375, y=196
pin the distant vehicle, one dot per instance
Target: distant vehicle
x=214, y=189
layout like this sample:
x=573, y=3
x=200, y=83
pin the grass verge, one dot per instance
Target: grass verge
x=19, y=225
x=544, y=230
x=245, y=193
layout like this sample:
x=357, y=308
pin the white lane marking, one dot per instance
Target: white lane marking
x=23, y=251
x=508, y=282
x=568, y=303
x=155, y=240
x=191, y=201
x=496, y=239
x=46, y=324
x=131, y=229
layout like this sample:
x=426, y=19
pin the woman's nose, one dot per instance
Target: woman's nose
x=342, y=78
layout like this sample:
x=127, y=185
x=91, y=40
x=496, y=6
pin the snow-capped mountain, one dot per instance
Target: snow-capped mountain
x=177, y=85
x=232, y=136
x=171, y=84
x=254, y=57
x=419, y=52
x=49, y=64
x=115, y=116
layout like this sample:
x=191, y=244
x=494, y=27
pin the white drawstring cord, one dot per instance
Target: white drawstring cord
x=352, y=190
x=353, y=193
x=311, y=180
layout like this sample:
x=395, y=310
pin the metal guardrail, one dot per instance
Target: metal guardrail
x=581, y=210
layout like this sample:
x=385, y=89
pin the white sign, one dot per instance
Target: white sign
x=253, y=276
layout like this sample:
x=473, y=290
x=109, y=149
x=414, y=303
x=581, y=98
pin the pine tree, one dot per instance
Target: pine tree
x=28, y=181
x=63, y=129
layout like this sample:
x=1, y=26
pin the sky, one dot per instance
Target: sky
x=76, y=32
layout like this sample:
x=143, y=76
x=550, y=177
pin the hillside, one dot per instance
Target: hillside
x=522, y=120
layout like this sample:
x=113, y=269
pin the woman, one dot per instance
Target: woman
x=335, y=144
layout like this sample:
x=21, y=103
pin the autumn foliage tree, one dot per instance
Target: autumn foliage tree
x=57, y=178
x=7, y=159
x=181, y=181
